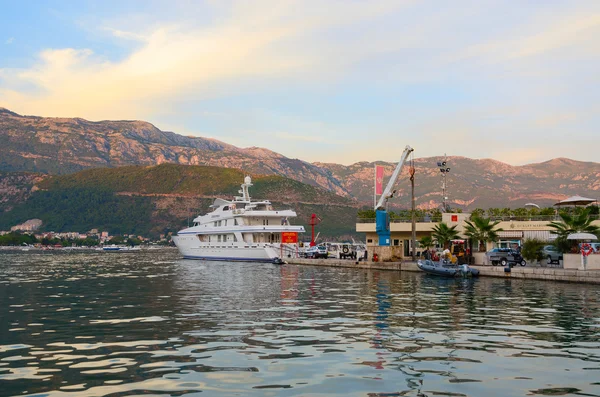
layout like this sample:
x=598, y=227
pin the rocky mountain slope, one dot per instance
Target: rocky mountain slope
x=62, y=146
x=16, y=187
x=478, y=183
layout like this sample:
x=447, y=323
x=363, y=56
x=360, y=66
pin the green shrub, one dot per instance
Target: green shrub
x=532, y=249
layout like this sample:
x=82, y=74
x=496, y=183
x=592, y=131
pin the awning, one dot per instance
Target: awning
x=543, y=235
x=510, y=234
x=582, y=236
x=576, y=200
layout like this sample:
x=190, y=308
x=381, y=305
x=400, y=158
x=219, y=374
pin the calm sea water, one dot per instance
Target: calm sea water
x=149, y=323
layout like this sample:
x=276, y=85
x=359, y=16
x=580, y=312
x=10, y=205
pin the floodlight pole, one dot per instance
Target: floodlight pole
x=444, y=170
x=413, y=220
x=444, y=191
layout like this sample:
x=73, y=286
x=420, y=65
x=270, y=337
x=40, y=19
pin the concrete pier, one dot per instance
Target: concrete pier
x=348, y=263
x=529, y=273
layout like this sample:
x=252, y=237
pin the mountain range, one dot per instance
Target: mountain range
x=66, y=145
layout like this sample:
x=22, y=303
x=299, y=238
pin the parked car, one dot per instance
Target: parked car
x=552, y=254
x=504, y=256
x=317, y=251
x=347, y=251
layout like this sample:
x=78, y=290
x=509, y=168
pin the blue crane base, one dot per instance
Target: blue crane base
x=382, y=227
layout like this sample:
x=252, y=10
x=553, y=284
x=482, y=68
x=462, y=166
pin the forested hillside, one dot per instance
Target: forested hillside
x=161, y=199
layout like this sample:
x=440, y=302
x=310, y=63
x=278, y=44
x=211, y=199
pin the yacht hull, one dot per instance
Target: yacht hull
x=191, y=249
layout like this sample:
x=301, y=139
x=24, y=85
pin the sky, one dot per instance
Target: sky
x=330, y=81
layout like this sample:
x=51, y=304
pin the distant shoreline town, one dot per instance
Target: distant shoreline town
x=26, y=234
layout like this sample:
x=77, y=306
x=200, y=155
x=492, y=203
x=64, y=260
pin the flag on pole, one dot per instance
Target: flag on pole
x=378, y=179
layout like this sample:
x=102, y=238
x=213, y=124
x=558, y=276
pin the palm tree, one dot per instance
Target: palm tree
x=426, y=242
x=443, y=233
x=578, y=223
x=478, y=212
x=520, y=212
x=482, y=230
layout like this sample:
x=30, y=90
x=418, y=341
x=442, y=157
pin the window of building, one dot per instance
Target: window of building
x=509, y=244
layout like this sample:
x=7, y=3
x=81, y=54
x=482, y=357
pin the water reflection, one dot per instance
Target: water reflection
x=121, y=324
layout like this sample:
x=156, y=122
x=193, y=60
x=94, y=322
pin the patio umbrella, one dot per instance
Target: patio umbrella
x=582, y=236
x=576, y=200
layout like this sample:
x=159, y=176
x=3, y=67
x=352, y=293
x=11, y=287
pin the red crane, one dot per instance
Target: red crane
x=314, y=220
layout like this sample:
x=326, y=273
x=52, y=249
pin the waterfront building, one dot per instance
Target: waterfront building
x=515, y=230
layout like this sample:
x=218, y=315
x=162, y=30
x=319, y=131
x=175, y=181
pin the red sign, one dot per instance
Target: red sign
x=454, y=218
x=289, y=237
x=378, y=179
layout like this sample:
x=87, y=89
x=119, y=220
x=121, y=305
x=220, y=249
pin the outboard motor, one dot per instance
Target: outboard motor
x=465, y=270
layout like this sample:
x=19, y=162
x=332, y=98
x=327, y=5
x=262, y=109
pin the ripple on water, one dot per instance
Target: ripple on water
x=152, y=324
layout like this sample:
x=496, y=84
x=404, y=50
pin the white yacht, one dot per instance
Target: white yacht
x=240, y=230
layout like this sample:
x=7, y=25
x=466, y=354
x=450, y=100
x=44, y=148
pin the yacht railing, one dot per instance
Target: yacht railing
x=286, y=249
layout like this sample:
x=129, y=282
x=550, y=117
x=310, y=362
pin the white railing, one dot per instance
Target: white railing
x=286, y=249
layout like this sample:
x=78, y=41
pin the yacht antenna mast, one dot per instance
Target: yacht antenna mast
x=245, y=195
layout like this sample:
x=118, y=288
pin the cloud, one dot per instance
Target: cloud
x=361, y=78
x=10, y=40
x=556, y=119
x=171, y=63
x=122, y=34
x=573, y=31
x=247, y=47
x=295, y=137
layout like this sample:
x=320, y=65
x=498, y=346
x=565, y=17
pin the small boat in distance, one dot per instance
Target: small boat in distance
x=240, y=230
x=118, y=248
